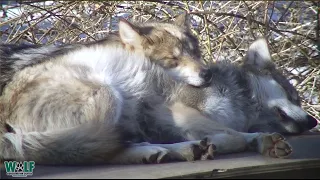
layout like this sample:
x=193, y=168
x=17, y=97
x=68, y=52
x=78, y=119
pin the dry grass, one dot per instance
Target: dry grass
x=225, y=29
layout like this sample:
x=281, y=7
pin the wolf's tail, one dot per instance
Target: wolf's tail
x=87, y=143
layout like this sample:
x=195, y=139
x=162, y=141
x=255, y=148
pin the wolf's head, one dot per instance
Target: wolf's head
x=169, y=45
x=281, y=107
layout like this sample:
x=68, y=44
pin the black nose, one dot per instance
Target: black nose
x=206, y=74
x=312, y=122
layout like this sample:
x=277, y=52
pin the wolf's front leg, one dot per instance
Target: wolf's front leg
x=186, y=151
x=223, y=143
x=142, y=153
x=270, y=145
x=223, y=140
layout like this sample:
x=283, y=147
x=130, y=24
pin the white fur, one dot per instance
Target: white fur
x=270, y=90
x=113, y=66
x=259, y=53
x=174, y=32
x=226, y=113
x=16, y=143
x=127, y=33
x=187, y=74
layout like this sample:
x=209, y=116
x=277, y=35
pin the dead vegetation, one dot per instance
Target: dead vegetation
x=225, y=29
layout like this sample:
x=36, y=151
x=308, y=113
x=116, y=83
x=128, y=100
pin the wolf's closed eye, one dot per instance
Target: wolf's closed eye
x=282, y=114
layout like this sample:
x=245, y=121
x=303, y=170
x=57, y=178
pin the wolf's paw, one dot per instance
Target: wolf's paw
x=193, y=150
x=142, y=154
x=155, y=155
x=208, y=148
x=274, y=145
x=185, y=151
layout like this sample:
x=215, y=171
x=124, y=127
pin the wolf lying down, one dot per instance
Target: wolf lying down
x=142, y=96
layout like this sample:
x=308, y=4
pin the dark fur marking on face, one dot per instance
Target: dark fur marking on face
x=289, y=89
x=9, y=128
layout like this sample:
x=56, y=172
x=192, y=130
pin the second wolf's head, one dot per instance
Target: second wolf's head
x=254, y=97
x=281, y=107
x=169, y=45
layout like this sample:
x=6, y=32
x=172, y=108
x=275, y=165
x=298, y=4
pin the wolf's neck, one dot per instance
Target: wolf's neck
x=129, y=71
x=161, y=83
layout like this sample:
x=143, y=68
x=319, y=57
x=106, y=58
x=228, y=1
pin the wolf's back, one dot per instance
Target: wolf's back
x=15, y=57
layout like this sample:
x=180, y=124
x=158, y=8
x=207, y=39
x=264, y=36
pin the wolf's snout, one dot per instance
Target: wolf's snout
x=307, y=124
x=312, y=122
x=206, y=74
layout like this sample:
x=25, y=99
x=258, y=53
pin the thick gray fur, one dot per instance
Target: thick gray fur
x=66, y=112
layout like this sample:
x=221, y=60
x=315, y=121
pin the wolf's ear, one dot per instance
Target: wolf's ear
x=258, y=54
x=182, y=20
x=128, y=32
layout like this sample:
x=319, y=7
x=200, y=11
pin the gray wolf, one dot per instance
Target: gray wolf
x=71, y=109
x=172, y=46
x=246, y=107
x=50, y=92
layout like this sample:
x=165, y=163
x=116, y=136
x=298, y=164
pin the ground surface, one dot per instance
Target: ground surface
x=304, y=162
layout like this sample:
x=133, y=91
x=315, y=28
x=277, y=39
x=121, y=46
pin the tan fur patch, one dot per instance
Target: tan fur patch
x=162, y=41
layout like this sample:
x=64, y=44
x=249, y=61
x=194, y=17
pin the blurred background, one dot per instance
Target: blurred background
x=224, y=28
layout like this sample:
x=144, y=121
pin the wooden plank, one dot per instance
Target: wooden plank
x=306, y=155
x=261, y=171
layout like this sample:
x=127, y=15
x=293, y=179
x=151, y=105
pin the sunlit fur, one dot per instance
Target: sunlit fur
x=103, y=102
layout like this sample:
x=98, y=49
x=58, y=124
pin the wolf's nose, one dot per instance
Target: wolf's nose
x=206, y=74
x=312, y=122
